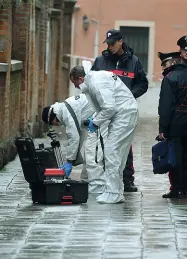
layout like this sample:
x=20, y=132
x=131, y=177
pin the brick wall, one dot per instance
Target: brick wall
x=2, y=101
x=31, y=32
x=5, y=56
x=14, y=103
x=67, y=28
x=29, y=45
x=55, y=54
x=41, y=25
x=12, y=115
x=20, y=48
x=6, y=151
x=5, y=31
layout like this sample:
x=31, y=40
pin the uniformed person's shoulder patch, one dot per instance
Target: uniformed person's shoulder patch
x=115, y=77
x=77, y=97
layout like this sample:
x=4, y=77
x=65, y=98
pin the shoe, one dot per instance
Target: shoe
x=130, y=187
x=173, y=194
x=110, y=198
x=96, y=189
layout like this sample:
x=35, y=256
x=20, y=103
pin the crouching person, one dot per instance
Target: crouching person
x=59, y=114
x=113, y=102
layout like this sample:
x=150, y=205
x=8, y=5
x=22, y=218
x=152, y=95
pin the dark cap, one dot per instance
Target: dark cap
x=182, y=42
x=168, y=56
x=48, y=115
x=112, y=36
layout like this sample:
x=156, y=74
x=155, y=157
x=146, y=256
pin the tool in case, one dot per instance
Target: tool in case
x=48, y=183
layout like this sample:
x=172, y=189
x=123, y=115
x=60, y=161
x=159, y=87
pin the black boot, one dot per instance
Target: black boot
x=130, y=187
x=174, y=194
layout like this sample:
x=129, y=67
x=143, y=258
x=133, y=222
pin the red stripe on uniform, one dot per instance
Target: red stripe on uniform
x=122, y=73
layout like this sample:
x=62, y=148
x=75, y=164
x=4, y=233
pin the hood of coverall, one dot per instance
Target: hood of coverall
x=58, y=110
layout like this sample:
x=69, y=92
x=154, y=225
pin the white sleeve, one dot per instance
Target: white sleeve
x=104, y=94
x=72, y=137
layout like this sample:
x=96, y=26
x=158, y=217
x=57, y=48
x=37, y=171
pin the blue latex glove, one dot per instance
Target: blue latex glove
x=92, y=127
x=67, y=167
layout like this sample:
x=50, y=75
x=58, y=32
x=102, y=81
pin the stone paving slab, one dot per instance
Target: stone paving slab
x=146, y=226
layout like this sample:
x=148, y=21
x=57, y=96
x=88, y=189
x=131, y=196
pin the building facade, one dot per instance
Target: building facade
x=147, y=26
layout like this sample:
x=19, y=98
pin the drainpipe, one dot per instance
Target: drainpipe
x=96, y=40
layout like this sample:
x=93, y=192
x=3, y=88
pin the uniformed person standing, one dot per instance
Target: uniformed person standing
x=168, y=60
x=119, y=59
x=173, y=119
x=182, y=43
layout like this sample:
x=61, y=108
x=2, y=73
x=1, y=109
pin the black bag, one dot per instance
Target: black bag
x=163, y=157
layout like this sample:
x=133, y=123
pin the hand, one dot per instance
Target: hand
x=67, y=167
x=92, y=127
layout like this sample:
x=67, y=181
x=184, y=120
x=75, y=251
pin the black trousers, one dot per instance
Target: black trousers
x=128, y=172
x=179, y=173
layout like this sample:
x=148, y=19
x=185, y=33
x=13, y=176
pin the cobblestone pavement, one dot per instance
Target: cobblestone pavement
x=146, y=226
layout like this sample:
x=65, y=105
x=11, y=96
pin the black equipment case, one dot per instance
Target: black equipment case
x=64, y=192
x=48, y=186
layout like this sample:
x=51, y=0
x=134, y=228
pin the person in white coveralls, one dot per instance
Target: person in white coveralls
x=58, y=114
x=113, y=102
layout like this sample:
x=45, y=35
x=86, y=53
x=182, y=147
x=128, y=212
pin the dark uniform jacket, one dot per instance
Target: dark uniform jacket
x=127, y=67
x=173, y=102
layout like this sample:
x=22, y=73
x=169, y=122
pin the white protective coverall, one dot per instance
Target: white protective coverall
x=95, y=170
x=83, y=110
x=92, y=171
x=113, y=101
